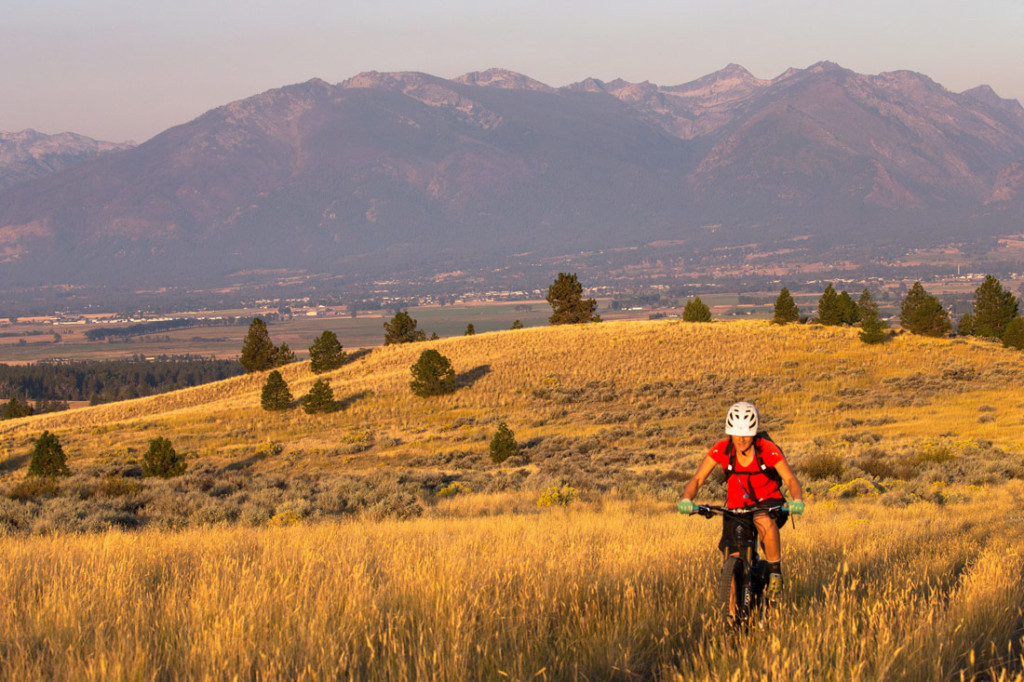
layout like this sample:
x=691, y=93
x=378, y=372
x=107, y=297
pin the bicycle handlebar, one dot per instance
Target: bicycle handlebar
x=708, y=510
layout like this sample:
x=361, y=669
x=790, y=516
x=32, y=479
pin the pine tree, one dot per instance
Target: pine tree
x=696, y=311
x=161, y=460
x=848, y=311
x=921, y=313
x=48, y=458
x=275, y=395
x=504, y=444
x=873, y=327
x=258, y=353
x=994, y=307
x=320, y=398
x=402, y=329
x=565, y=295
x=1013, y=337
x=283, y=355
x=965, y=325
x=866, y=304
x=432, y=374
x=326, y=353
x=470, y=329
x=829, y=312
x=786, y=310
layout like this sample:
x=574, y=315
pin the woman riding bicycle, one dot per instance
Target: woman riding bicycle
x=755, y=470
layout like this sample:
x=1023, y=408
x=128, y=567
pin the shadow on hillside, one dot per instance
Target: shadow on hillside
x=346, y=403
x=245, y=463
x=467, y=379
x=14, y=463
x=356, y=355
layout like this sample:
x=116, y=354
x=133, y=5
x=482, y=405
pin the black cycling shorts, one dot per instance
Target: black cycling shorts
x=729, y=523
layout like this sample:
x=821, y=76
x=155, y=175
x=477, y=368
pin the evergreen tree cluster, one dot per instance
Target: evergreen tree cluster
x=104, y=381
x=995, y=315
x=837, y=308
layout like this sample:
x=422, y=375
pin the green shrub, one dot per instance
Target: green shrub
x=470, y=329
x=48, y=458
x=161, y=460
x=432, y=375
x=504, y=444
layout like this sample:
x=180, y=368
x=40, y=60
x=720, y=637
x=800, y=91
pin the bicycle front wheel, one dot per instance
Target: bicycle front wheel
x=730, y=591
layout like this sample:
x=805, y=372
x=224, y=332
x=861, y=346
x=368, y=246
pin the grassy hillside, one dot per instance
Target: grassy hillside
x=627, y=408
x=905, y=566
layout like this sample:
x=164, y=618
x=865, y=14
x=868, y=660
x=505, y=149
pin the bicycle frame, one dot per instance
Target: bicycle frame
x=740, y=599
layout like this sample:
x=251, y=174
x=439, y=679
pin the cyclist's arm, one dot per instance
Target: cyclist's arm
x=795, y=492
x=703, y=471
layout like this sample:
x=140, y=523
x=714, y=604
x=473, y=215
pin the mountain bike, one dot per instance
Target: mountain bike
x=741, y=592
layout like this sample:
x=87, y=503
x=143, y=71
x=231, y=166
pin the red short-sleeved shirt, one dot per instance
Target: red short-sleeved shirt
x=744, y=491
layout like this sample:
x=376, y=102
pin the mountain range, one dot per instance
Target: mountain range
x=387, y=171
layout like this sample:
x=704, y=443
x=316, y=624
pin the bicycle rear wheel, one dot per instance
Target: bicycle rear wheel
x=730, y=591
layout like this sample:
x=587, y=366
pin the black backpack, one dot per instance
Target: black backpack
x=763, y=468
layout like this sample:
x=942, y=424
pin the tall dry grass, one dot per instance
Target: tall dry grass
x=620, y=592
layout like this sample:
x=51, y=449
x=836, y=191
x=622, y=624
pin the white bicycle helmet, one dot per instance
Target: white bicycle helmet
x=741, y=420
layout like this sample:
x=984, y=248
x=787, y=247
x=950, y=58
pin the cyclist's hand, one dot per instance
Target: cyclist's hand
x=686, y=506
x=796, y=506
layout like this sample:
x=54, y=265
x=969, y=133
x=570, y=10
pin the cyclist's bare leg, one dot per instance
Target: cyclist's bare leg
x=769, y=533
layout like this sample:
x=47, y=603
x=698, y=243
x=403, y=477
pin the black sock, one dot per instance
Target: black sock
x=775, y=567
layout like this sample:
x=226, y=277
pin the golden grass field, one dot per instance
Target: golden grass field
x=907, y=564
x=618, y=591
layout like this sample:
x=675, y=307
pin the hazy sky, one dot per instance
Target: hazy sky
x=128, y=69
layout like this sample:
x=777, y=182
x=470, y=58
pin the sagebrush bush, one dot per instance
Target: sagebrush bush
x=822, y=464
